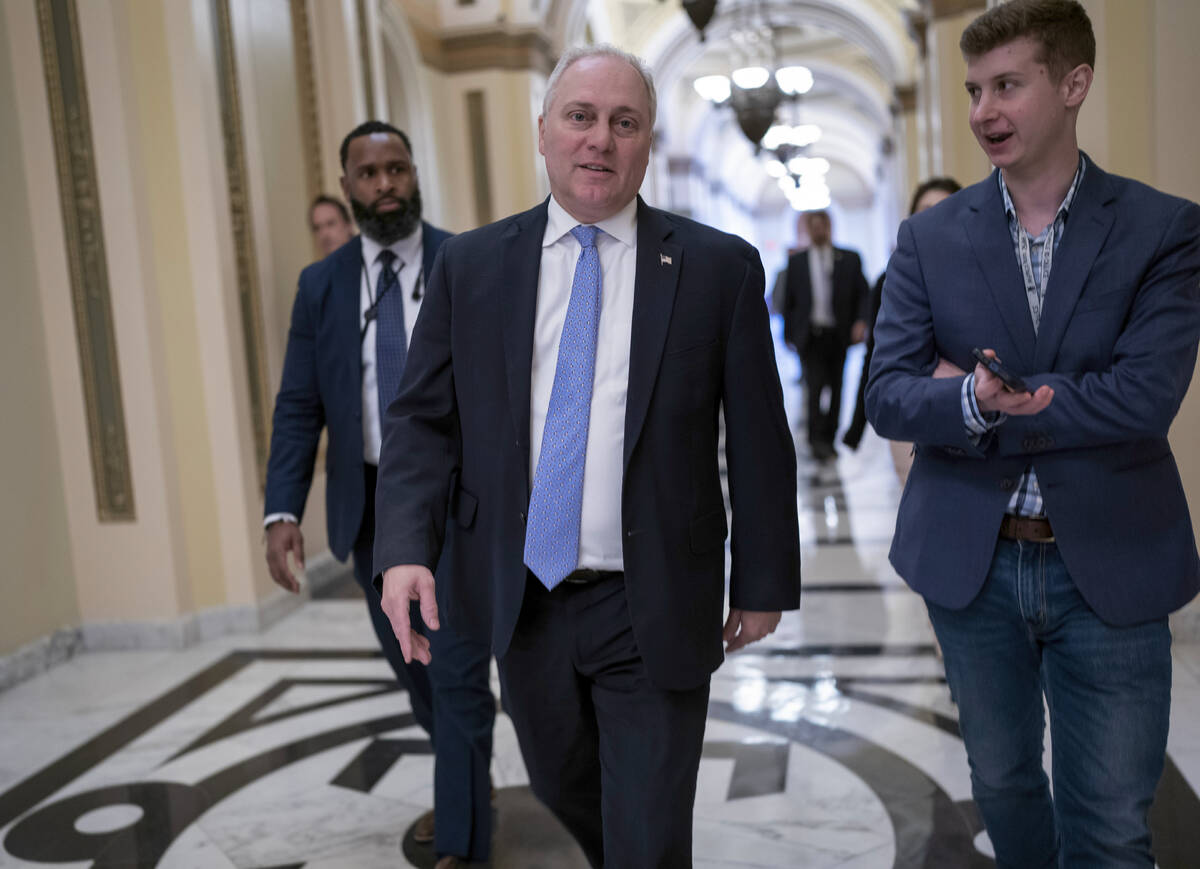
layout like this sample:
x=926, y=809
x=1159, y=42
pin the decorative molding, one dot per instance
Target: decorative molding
x=83, y=229
x=306, y=90
x=917, y=26
x=905, y=98
x=249, y=294
x=478, y=137
x=494, y=49
x=364, y=49
x=40, y=655
x=939, y=9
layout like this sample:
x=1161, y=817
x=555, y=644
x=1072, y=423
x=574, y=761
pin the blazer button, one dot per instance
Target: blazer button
x=1007, y=484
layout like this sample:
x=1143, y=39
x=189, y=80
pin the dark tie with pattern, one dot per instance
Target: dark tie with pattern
x=391, y=344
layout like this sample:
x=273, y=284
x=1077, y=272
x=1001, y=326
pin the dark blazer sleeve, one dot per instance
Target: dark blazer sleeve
x=1138, y=394
x=904, y=402
x=764, y=539
x=862, y=292
x=299, y=412
x=421, y=439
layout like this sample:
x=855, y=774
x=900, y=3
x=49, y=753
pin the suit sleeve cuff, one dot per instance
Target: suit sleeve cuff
x=976, y=421
x=272, y=518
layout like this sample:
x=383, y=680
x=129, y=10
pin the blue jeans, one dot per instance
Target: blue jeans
x=1029, y=633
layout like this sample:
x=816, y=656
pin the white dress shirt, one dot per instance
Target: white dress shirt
x=408, y=260
x=616, y=244
x=820, y=275
x=409, y=253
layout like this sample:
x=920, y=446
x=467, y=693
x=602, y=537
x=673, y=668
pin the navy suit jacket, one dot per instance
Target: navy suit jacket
x=850, y=296
x=322, y=386
x=456, y=441
x=1117, y=343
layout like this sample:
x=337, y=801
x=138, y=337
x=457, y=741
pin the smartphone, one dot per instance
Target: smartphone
x=994, y=365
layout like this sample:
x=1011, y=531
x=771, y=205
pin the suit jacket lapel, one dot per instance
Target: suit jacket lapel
x=657, y=276
x=1088, y=224
x=346, y=290
x=430, y=241
x=987, y=229
x=520, y=263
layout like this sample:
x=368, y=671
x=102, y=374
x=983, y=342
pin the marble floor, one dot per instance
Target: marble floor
x=832, y=744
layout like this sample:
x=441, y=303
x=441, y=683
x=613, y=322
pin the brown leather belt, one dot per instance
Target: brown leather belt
x=587, y=576
x=1033, y=528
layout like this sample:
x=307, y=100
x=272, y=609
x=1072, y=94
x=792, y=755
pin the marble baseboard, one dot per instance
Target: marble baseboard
x=39, y=656
x=321, y=570
x=1185, y=624
x=45, y=652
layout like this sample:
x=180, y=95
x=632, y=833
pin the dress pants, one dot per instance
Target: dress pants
x=413, y=677
x=451, y=699
x=613, y=756
x=1029, y=634
x=823, y=362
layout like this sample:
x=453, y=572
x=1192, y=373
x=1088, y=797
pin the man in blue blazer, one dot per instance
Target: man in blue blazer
x=562, y=406
x=351, y=323
x=1046, y=525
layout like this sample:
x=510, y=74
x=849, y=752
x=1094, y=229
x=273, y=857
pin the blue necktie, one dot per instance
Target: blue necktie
x=552, y=535
x=391, y=344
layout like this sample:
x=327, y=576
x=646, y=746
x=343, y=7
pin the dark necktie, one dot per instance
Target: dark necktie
x=391, y=344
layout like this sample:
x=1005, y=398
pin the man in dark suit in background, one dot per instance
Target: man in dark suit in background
x=560, y=415
x=351, y=324
x=825, y=311
x=1046, y=524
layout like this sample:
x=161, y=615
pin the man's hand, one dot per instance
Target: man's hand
x=744, y=627
x=858, y=332
x=284, y=537
x=403, y=584
x=994, y=397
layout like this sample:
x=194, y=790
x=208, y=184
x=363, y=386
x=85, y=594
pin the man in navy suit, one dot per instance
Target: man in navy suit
x=561, y=405
x=351, y=323
x=825, y=312
x=1046, y=526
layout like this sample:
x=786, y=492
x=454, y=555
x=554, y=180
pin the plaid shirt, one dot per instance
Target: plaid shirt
x=1035, y=256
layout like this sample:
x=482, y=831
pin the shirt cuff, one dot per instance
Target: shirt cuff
x=272, y=518
x=976, y=421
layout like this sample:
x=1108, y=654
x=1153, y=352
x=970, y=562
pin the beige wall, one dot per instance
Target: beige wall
x=960, y=155
x=1139, y=121
x=511, y=143
x=37, y=594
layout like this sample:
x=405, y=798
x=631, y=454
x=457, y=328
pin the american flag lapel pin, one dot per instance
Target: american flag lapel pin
x=664, y=260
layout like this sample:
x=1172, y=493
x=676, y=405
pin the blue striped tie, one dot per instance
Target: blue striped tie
x=552, y=535
x=391, y=343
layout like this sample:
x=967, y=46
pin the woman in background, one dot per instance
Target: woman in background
x=928, y=194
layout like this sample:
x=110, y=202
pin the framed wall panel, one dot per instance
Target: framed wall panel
x=83, y=229
x=241, y=223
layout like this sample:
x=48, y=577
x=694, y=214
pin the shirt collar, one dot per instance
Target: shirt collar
x=407, y=249
x=1011, y=211
x=622, y=226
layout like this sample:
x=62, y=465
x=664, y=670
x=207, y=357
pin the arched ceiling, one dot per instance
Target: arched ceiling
x=859, y=52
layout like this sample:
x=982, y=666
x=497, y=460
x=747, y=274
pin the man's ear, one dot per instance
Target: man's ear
x=1076, y=84
x=345, y=188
